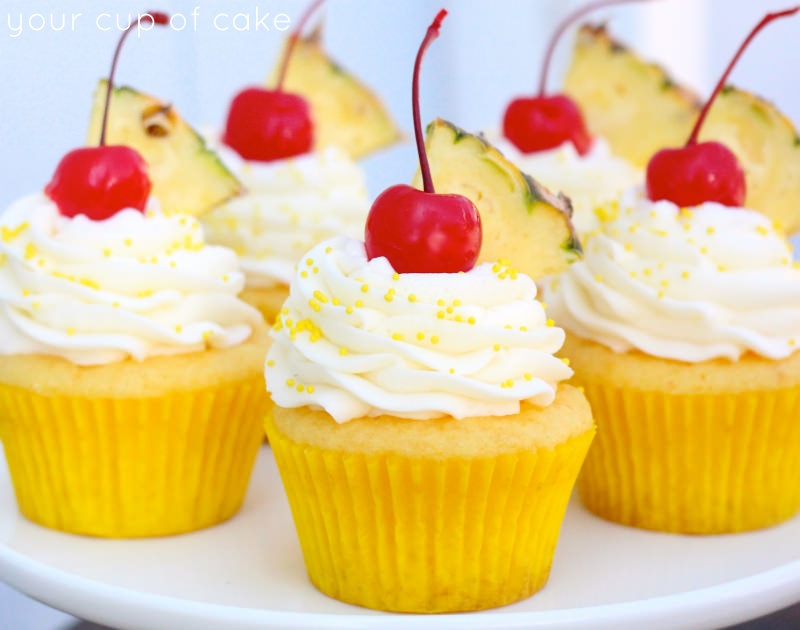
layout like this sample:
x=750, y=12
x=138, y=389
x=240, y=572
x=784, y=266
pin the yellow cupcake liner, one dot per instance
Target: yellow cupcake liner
x=134, y=467
x=425, y=535
x=693, y=463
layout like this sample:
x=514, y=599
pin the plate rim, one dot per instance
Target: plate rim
x=727, y=603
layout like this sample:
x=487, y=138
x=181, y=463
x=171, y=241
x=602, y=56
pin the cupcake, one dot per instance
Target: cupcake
x=423, y=433
x=293, y=146
x=131, y=396
x=683, y=322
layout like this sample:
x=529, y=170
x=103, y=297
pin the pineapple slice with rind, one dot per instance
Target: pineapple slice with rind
x=768, y=148
x=639, y=110
x=633, y=104
x=346, y=112
x=522, y=221
x=187, y=176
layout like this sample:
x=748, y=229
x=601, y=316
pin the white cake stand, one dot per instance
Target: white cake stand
x=248, y=574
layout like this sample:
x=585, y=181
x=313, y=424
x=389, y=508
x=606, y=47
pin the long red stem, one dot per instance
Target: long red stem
x=158, y=18
x=770, y=17
x=287, y=55
x=563, y=26
x=424, y=166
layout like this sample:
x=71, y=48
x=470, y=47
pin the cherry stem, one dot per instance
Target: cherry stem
x=155, y=17
x=770, y=17
x=563, y=26
x=424, y=166
x=287, y=55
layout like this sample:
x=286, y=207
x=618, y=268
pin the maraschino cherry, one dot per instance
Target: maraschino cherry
x=421, y=231
x=705, y=171
x=266, y=125
x=100, y=181
x=543, y=122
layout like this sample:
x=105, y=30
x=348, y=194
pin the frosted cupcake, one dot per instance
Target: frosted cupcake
x=293, y=147
x=683, y=322
x=429, y=407
x=130, y=371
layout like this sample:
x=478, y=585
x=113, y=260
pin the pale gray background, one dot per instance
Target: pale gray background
x=489, y=51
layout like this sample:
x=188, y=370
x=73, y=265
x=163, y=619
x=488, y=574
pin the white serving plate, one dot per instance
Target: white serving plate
x=248, y=574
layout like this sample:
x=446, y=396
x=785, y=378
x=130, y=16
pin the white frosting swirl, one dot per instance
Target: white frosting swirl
x=588, y=180
x=356, y=339
x=690, y=285
x=131, y=286
x=292, y=205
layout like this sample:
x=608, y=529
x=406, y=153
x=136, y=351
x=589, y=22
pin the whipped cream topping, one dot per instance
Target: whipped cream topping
x=132, y=286
x=685, y=284
x=588, y=180
x=357, y=339
x=291, y=206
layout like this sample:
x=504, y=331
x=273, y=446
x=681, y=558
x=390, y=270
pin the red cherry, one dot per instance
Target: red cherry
x=420, y=231
x=100, y=181
x=545, y=122
x=695, y=174
x=267, y=125
x=706, y=171
x=541, y=122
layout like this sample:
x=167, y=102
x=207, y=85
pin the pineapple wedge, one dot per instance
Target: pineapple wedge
x=633, y=104
x=640, y=110
x=522, y=221
x=187, y=176
x=346, y=112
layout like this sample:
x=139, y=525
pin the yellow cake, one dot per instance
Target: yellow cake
x=131, y=374
x=267, y=300
x=426, y=469
x=682, y=328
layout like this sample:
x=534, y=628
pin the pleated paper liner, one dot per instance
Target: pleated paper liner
x=425, y=535
x=135, y=467
x=693, y=463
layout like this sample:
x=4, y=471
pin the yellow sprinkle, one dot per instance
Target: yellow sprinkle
x=154, y=260
x=30, y=251
x=70, y=331
x=504, y=261
x=420, y=336
x=456, y=302
x=661, y=294
x=270, y=363
x=315, y=270
x=440, y=302
x=128, y=242
x=364, y=288
x=343, y=351
x=497, y=347
x=440, y=315
x=304, y=274
x=710, y=230
x=652, y=214
x=178, y=329
x=300, y=388
x=513, y=275
x=471, y=320
x=359, y=304
x=144, y=294
x=523, y=328
x=704, y=250
x=685, y=274
x=183, y=221
x=309, y=261
x=310, y=389
x=550, y=323
x=792, y=342
x=173, y=264
x=528, y=376
x=565, y=361
x=647, y=272
x=285, y=310
x=106, y=253
x=796, y=264
x=388, y=297
x=628, y=247
x=36, y=305
x=207, y=335
x=632, y=229
x=665, y=283
x=348, y=310
x=452, y=371
x=290, y=382
x=762, y=230
x=581, y=389
x=289, y=322
x=2, y=259
x=459, y=319
x=26, y=292
x=395, y=276
x=412, y=298
x=507, y=326
x=397, y=337
x=502, y=276
x=687, y=226
x=434, y=339
x=9, y=235
x=633, y=274
x=496, y=267
x=598, y=278
x=335, y=301
x=720, y=267
x=115, y=305
x=392, y=291
x=225, y=278
x=320, y=296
